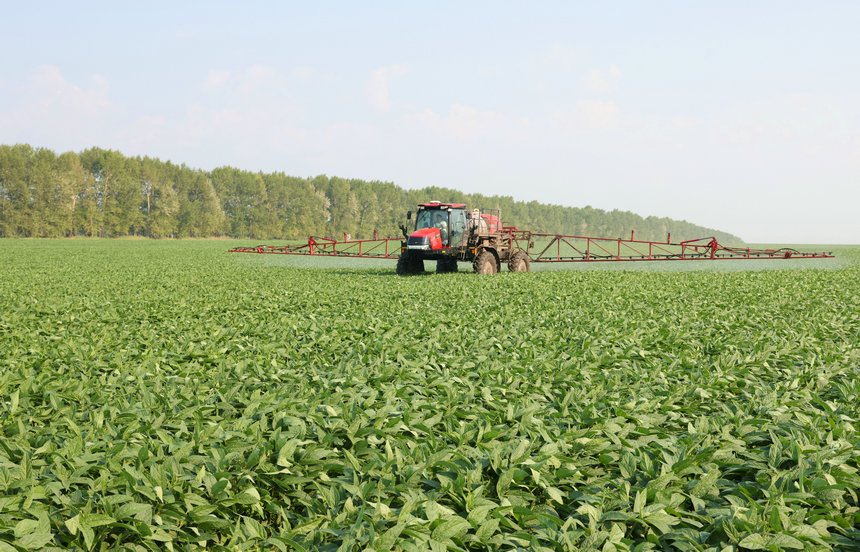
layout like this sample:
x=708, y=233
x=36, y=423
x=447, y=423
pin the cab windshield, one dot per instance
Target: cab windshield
x=431, y=218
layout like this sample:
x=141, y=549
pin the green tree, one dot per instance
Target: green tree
x=15, y=205
x=161, y=200
x=200, y=212
x=116, y=194
x=71, y=185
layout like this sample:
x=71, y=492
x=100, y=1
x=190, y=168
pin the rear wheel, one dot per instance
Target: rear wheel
x=446, y=265
x=519, y=262
x=407, y=264
x=485, y=263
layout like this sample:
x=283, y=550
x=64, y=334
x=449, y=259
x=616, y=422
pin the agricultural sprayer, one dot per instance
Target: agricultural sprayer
x=449, y=233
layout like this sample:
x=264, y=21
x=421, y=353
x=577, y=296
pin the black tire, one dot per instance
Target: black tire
x=407, y=265
x=485, y=263
x=519, y=262
x=403, y=265
x=446, y=265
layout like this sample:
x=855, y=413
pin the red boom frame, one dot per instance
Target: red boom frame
x=377, y=248
x=552, y=248
x=577, y=249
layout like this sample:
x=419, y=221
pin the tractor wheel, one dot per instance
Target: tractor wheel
x=446, y=265
x=407, y=265
x=403, y=265
x=485, y=263
x=519, y=262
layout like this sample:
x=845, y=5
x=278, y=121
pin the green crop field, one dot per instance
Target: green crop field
x=168, y=395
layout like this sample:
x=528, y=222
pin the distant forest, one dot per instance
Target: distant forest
x=104, y=193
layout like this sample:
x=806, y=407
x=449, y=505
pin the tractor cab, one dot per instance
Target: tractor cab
x=438, y=226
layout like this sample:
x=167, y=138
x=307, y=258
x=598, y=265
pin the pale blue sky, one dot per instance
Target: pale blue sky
x=744, y=116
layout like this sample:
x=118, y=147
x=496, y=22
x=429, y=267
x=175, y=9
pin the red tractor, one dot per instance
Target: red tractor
x=448, y=233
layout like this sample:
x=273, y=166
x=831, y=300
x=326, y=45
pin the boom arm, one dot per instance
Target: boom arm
x=552, y=248
x=379, y=248
x=557, y=248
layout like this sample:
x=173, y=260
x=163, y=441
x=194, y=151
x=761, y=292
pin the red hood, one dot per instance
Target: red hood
x=433, y=235
x=425, y=233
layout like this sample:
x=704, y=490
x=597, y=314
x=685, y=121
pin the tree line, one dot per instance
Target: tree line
x=103, y=193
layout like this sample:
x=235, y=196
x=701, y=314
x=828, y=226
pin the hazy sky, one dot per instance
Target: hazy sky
x=744, y=116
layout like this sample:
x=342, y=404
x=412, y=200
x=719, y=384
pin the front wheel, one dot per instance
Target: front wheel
x=485, y=263
x=446, y=265
x=408, y=265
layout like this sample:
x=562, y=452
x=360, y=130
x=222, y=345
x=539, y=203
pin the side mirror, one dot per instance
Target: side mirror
x=408, y=215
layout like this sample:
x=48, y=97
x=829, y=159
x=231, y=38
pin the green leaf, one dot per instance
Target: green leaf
x=160, y=535
x=435, y=511
x=504, y=482
x=137, y=510
x=253, y=493
x=89, y=536
x=785, y=541
x=479, y=513
x=25, y=527
x=754, y=541
x=219, y=486
x=555, y=494
x=387, y=540
x=73, y=524
x=96, y=520
x=640, y=501
x=486, y=530
x=450, y=528
x=285, y=455
x=33, y=534
x=661, y=520
x=34, y=541
x=615, y=516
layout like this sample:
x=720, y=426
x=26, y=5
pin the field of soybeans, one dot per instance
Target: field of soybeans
x=169, y=395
